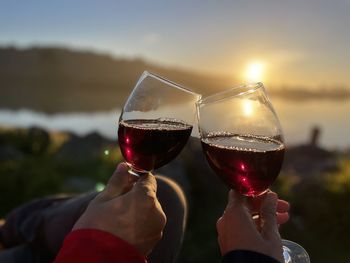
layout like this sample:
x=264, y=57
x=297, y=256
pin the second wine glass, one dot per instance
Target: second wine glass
x=243, y=143
x=156, y=122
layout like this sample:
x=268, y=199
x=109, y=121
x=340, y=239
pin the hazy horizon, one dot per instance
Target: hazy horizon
x=294, y=43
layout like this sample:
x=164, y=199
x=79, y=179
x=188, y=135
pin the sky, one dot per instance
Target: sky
x=286, y=43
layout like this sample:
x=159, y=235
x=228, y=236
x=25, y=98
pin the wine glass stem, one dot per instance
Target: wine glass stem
x=137, y=173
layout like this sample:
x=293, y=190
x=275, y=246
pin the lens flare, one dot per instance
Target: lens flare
x=254, y=71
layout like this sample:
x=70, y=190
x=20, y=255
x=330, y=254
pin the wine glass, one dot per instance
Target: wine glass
x=155, y=123
x=242, y=140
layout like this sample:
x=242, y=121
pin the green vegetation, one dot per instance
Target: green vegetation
x=30, y=167
x=321, y=215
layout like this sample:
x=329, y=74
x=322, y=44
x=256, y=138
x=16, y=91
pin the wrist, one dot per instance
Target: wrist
x=105, y=239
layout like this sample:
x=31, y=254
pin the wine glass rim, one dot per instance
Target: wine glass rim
x=146, y=74
x=230, y=93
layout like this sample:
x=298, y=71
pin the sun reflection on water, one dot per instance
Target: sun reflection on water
x=247, y=108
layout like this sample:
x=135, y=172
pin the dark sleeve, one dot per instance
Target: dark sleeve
x=95, y=246
x=246, y=256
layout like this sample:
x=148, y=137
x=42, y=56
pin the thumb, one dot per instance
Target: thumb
x=120, y=182
x=237, y=212
x=268, y=216
x=235, y=199
x=236, y=224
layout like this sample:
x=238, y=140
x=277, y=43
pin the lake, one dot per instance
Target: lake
x=297, y=119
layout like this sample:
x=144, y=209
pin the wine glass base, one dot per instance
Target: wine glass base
x=294, y=253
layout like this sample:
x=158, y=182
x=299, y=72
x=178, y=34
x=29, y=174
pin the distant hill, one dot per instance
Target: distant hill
x=305, y=93
x=56, y=79
x=63, y=80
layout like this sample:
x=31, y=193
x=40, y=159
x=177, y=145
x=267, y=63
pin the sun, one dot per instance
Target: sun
x=254, y=71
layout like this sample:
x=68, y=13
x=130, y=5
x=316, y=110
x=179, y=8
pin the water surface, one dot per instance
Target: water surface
x=297, y=119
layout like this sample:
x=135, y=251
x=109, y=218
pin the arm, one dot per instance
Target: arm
x=92, y=246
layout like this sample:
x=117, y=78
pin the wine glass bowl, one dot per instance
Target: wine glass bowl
x=155, y=123
x=242, y=138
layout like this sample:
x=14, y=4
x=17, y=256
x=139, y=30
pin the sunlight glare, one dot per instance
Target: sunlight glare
x=254, y=71
x=247, y=107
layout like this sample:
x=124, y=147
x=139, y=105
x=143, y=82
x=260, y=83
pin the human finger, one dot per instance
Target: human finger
x=282, y=206
x=237, y=213
x=282, y=218
x=146, y=183
x=282, y=211
x=119, y=183
x=254, y=203
x=269, y=228
x=234, y=198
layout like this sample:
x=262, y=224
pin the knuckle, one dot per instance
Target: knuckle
x=151, y=180
x=219, y=223
x=142, y=188
x=271, y=214
x=159, y=216
x=148, y=183
x=162, y=218
x=145, y=195
x=150, y=200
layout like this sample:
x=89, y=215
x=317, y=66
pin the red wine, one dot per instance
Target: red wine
x=248, y=164
x=150, y=144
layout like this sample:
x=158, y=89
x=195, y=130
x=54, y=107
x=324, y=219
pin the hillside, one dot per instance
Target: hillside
x=52, y=79
x=63, y=80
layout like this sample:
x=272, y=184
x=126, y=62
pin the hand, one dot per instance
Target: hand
x=133, y=215
x=254, y=205
x=238, y=231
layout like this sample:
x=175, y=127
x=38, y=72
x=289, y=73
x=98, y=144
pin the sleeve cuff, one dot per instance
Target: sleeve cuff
x=91, y=245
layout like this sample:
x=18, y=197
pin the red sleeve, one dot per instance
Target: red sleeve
x=92, y=246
